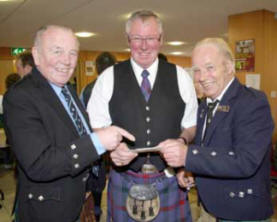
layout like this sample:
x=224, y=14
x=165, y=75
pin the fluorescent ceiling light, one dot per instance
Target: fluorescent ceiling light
x=177, y=53
x=176, y=43
x=84, y=34
x=11, y=0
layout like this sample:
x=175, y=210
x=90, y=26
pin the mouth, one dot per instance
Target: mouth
x=144, y=55
x=207, y=85
x=63, y=70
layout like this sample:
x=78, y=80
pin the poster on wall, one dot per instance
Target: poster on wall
x=253, y=80
x=245, y=55
x=90, y=68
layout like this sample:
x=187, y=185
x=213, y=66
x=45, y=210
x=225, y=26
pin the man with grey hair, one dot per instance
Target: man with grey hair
x=49, y=132
x=154, y=100
x=231, y=155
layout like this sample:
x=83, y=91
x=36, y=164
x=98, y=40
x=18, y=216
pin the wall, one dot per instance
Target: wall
x=6, y=66
x=262, y=27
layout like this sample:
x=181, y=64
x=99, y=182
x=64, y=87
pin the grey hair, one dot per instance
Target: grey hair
x=43, y=29
x=220, y=44
x=143, y=15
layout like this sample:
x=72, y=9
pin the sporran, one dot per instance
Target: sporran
x=143, y=202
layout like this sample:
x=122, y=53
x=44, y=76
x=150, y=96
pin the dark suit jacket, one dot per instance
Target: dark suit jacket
x=53, y=160
x=232, y=166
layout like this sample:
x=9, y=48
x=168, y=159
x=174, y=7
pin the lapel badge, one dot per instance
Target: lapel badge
x=222, y=108
x=202, y=113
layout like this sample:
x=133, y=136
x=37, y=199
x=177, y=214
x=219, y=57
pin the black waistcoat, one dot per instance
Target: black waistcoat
x=153, y=121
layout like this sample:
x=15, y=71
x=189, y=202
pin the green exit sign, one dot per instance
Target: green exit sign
x=16, y=51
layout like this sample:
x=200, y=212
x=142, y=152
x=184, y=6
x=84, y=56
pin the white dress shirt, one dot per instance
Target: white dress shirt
x=219, y=98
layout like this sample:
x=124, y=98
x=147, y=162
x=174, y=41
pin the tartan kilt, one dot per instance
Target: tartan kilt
x=174, y=205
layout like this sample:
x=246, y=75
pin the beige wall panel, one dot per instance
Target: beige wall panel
x=262, y=27
x=6, y=67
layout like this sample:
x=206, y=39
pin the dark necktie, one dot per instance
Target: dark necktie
x=74, y=113
x=79, y=124
x=209, y=117
x=145, y=85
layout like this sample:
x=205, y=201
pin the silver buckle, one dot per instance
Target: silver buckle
x=149, y=168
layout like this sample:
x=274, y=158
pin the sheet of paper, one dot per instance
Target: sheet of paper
x=147, y=149
x=253, y=80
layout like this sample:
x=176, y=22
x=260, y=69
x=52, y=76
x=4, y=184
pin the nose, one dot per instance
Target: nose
x=66, y=58
x=143, y=43
x=202, y=75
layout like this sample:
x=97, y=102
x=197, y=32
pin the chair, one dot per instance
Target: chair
x=273, y=172
x=1, y=197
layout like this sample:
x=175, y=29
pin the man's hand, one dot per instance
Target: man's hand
x=174, y=151
x=122, y=155
x=110, y=137
x=185, y=179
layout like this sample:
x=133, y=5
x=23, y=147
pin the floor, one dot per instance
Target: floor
x=7, y=185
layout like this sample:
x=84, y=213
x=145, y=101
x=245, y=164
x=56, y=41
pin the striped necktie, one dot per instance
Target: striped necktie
x=145, y=85
x=74, y=113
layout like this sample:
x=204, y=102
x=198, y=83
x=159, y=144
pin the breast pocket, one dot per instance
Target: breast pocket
x=44, y=202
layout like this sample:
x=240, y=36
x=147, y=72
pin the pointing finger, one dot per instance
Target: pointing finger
x=125, y=133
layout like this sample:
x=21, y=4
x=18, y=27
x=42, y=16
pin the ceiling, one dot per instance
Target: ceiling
x=183, y=20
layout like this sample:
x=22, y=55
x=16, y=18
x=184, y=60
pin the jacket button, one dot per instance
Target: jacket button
x=250, y=191
x=231, y=153
x=213, y=153
x=73, y=147
x=148, y=143
x=148, y=119
x=195, y=151
x=241, y=194
x=232, y=194
x=76, y=165
x=75, y=156
x=148, y=131
x=30, y=195
x=40, y=198
x=147, y=108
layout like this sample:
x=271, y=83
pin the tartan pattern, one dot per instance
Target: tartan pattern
x=268, y=220
x=174, y=205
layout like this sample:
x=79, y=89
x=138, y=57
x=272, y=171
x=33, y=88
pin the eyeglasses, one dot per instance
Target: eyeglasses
x=149, y=40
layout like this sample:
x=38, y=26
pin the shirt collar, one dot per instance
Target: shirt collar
x=56, y=88
x=152, y=69
x=222, y=93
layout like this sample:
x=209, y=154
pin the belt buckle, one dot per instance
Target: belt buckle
x=149, y=168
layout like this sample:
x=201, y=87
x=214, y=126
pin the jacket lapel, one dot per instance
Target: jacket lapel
x=53, y=101
x=223, y=108
x=202, y=111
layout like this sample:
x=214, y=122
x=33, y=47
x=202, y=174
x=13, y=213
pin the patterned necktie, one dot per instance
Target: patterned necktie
x=145, y=85
x=74, y=113
x=211, y=107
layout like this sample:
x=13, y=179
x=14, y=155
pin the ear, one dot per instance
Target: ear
x=230, y=66
x=161, y=39
x=35, y=54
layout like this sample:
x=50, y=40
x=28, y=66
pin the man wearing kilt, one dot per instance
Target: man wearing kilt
x=154, y=100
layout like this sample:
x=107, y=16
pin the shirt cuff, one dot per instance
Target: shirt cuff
x=97, y=144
